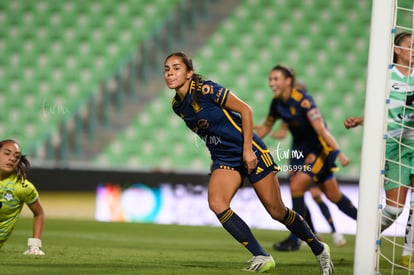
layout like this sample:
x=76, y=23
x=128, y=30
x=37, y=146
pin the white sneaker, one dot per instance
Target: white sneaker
x=325, y=262
x=338, y=239
x=260, y=264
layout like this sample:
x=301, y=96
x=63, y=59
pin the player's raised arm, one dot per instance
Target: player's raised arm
x=318, y=125
x=352, y=122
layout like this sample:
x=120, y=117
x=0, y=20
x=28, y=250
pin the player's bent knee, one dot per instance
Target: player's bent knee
x=218, y=207
x=277, y=213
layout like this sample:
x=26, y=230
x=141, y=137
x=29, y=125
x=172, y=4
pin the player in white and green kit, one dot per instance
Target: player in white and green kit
x=399, y=152
x=15, y=191
x=399, y=155
x=400, y=131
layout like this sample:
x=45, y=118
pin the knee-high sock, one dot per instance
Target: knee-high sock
x=297, y=225
x=298, y=204
x=409, y=231
x=325, y=212
x=346, y=206
x=308, y=218
x=389, y=215
x=240, y=231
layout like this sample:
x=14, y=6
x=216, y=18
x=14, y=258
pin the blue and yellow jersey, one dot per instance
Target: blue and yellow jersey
x=219, y=128
x=13, y=195
x=297, y=112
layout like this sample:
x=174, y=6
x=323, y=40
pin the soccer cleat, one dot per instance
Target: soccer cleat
x=261, y=264
x=287, y=245
x=405, y=262
x=325, y=262
x=338, y=239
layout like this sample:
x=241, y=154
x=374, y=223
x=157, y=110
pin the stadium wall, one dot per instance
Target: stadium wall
x=77, y=179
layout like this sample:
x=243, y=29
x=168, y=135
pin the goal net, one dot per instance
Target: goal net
x=381, y=234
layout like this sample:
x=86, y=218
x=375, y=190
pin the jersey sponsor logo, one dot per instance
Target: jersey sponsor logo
x=218, y=95
x=403, y=87
x=406, y=117
x=193, y=87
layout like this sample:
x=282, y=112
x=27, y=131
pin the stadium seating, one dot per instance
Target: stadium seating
x=325, y=42
x=55, y=54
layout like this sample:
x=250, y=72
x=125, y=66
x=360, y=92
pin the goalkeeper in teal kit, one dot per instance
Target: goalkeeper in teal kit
x=15, y=191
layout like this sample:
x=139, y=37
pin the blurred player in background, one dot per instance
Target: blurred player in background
x=225, y=124
x=400, y=142
x=15, y=191
x=338, y=238
x=317, y=147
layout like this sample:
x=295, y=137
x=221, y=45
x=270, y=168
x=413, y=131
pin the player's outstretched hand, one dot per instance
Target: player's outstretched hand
x=343, y=159
x=352, y=122
x=34, y=247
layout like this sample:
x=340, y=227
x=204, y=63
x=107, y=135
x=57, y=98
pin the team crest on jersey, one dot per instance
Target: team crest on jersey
x=8, y=196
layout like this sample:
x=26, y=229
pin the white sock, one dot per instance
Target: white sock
x=409, y=231
x=389, y=215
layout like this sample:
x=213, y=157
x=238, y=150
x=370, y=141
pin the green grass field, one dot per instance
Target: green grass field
x=89, y=247
x=75, y=244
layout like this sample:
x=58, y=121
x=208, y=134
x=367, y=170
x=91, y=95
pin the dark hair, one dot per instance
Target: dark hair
x=23, y=164
x=397, y=42
x=188, y=62
x=287, y=72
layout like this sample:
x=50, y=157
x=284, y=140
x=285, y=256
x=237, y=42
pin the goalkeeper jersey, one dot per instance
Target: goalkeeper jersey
x=13, y=195
x=401, y=106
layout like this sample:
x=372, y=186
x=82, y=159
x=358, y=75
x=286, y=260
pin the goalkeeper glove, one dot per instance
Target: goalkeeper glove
x=34, y=247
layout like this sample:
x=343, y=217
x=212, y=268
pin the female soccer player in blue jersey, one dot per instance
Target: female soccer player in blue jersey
x=15, y=191
x=312, y=139
x=225, y=124
x=337, y=238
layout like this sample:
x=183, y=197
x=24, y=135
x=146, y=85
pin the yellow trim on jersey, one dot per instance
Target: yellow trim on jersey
x=296, y=95
x=319, y=162
x=226, y=113
x=325, y=145
x=226, y=91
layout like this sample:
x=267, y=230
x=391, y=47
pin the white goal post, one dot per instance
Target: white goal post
x=372, y=159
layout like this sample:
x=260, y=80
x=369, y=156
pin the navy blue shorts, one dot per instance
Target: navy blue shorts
x=321, y=167
x=265, y=166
